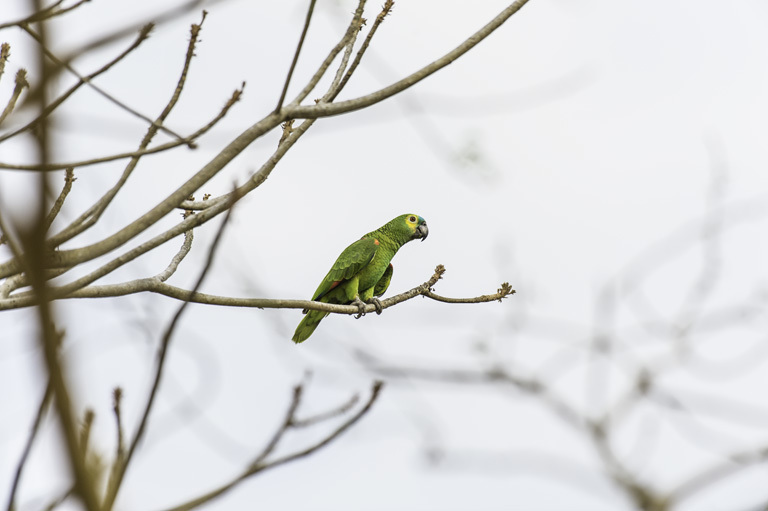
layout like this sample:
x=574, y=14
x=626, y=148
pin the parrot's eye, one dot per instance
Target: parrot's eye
x=412, y=219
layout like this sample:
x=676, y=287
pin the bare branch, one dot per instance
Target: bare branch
x=68, y=258
x=155, y=285
x=330, y=109
x=504, y=291
x=295, y=56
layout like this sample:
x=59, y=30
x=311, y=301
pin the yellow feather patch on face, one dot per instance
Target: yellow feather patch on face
x=412, y=221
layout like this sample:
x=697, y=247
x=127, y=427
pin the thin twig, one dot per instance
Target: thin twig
x=324, y=416
x=117, y=399
x=46, y=399
x=177, y=258
x=69, y=178
x=20, y=280
x=296, y=56
x=47, y=13
x=119, y=460
x=287, y=423
x=21, y=84
x=504, y=291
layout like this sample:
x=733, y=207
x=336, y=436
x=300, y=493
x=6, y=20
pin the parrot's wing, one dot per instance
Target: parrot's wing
x=354, y=258
x=381, y=286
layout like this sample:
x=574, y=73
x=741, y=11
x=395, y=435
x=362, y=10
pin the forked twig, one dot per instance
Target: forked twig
x=385, y=11
x=330, y=109
x=262, y=465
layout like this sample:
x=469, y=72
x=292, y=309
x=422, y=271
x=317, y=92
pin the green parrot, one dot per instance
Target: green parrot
x=363, y=271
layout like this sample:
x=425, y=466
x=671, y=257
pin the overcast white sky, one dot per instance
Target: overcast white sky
x=579, y=151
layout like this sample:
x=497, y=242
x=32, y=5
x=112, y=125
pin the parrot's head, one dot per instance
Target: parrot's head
x=416, y=225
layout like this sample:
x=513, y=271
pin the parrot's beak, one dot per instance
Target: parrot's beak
x=421, y=232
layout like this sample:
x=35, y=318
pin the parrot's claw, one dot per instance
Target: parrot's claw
x=360, y=307
x=376, y=303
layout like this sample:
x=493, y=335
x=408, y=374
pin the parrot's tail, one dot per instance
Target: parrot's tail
x=308, y=325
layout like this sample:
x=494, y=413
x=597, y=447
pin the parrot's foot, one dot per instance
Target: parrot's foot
x=376, y=303
x=360, y=307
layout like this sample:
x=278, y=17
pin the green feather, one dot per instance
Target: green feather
x=363, y=269
x=383, y=283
